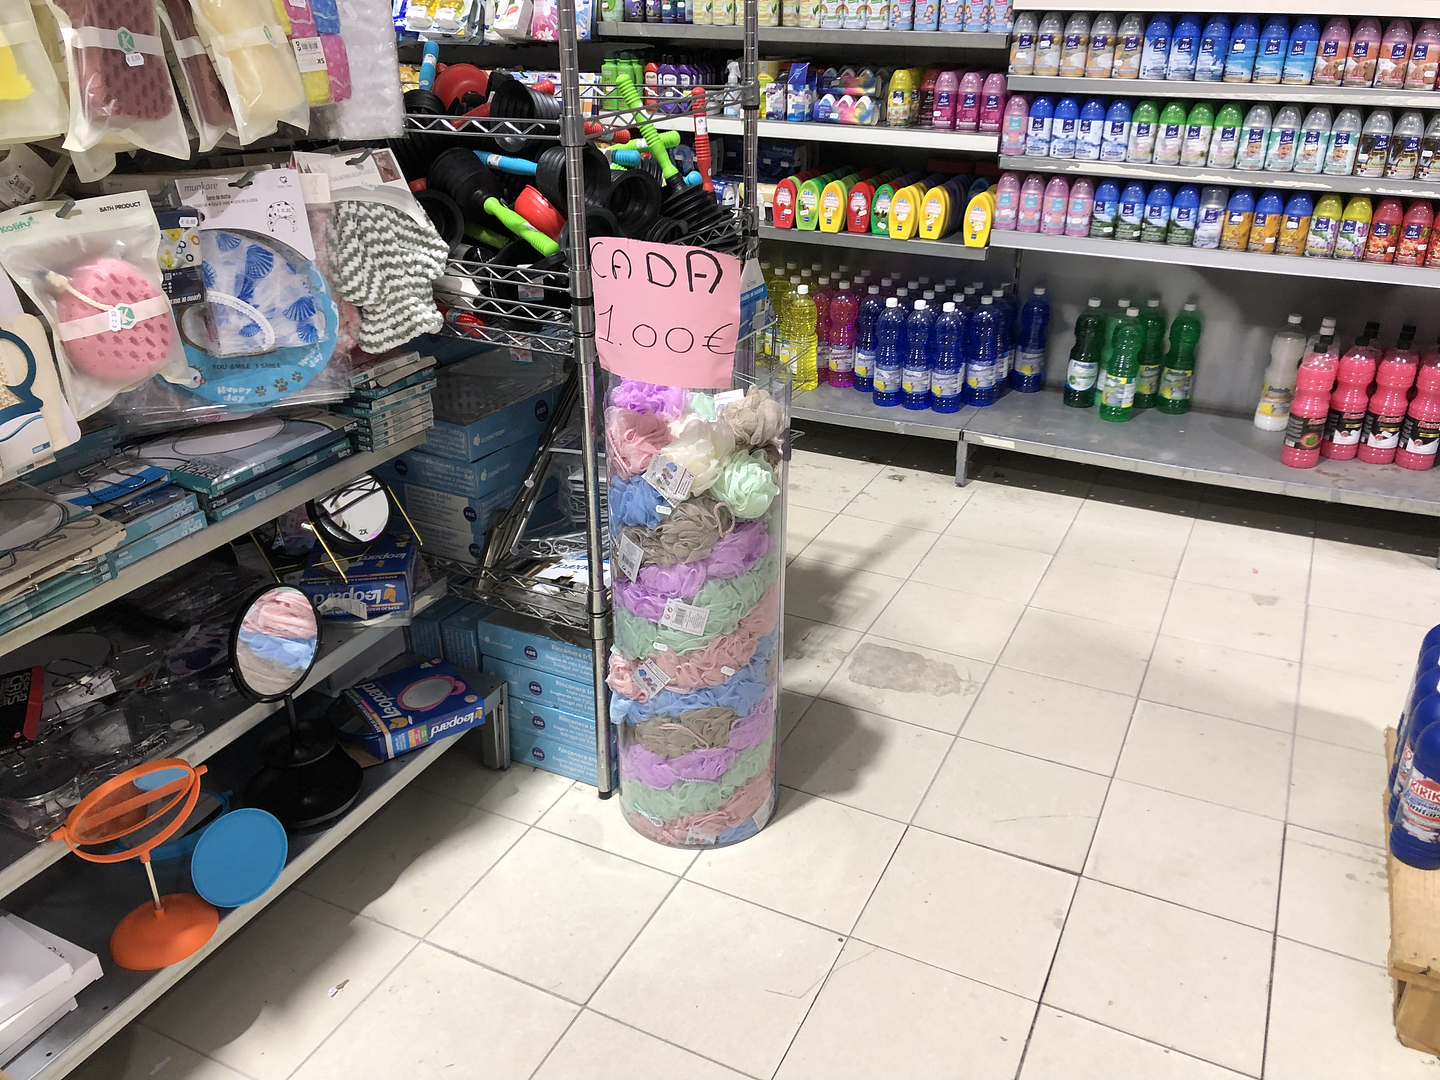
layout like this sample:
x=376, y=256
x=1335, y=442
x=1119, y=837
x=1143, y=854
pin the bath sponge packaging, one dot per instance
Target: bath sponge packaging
x=121, y=97
x=95, y=276
x=195, y=74
x=374, y=108
x=255, y=65
x=32, y=105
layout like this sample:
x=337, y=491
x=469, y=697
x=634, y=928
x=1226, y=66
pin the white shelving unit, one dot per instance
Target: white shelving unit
x=1409, y=9
x=929, y=40
x=1190, y=90
x=949, y=248
x=921, y=138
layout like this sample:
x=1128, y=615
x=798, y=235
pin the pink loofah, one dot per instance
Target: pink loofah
x=120, y=357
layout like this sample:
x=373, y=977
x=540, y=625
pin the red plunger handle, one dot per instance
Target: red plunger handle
x=702, y=137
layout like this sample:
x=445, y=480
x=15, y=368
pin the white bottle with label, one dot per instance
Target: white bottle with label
x=1254, y=139
x=1314, y=141
x=1100, y=60
x=1277, y=386
x=1280, y=155
x=1344, y=142
x=1022, y=44
x=1048, y=44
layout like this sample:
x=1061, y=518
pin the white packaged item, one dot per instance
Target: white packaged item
x=194, y=72
x=255, y=65
x=32, y=104
x=513, y=19
x=375, y=109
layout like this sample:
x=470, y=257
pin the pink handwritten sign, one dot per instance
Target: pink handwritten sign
x=665, y=313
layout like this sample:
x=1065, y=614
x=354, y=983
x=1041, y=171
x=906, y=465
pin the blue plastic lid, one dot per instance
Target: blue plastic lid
x=151, y=781
x=239, y=857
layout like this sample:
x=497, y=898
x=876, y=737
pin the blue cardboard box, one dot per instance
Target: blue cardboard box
x=460, y=512
x=409, y=708
x=473, y=479
x=516, y=639
x=531, y=686
x=457, y=635
x=423, y=633
x=533, y=748
x=472, y=441
x=577, y=731
x=378, y=582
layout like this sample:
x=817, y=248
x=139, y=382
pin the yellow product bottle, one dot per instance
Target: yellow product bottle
x=807, y=201
x=979, y=216
x=1294, y=226
x=833, y=202
x=935, y=212
x=905, y=210
x=900, y=107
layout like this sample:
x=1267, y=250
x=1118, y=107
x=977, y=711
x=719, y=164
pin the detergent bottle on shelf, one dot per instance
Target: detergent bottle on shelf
x=1277, y=385
x=982, y=361
x=1152, y=354
x=948, y=373
x=1394, y=376
x=844, y=310
x=919, y=357
x=889, y=353
x=865, y=348
x=1348, y=403
x=1117, y=387
x=1177, y=379
x=1420, y=431
x=1084, y=364
x=1310, y=406
x=1028, y=374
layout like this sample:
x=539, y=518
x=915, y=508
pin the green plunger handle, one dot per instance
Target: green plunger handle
x=520, y=227
x=484, y=235
x=630, y=94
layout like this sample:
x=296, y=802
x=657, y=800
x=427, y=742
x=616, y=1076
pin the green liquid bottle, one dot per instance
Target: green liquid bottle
x=1171, y=136
x=1084, y=363
x=1117, y=388
x=1152, y=354
x=1177, y=381
x=1225, y=137
x=1199, y=126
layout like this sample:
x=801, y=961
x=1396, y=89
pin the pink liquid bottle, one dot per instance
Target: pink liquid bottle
x=1364, y=52
x=1333, y=52
x=1056, y=207
x=1013, y=124
x=1420, y=432
x=844, y=312
x=1420, y=73
x=992, y=101
x=1082, y=207
x=1385, y=226
x=1415, y=234
x=1394, y=56
x=822, y=297
x=1007, y=201
x=967, y=113
x=1349, y=402
x=1032, y=200
x=1380, y=437
x=1311, y=404
x=947, y=98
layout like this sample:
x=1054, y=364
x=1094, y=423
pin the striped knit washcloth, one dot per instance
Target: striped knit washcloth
x=385, y=261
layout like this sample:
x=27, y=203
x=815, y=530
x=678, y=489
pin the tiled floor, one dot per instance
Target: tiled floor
x=1079, y=780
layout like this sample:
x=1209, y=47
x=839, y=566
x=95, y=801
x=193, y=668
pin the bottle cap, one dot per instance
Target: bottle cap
x=874, y=290
x=794, y=279
x=919, y=305
x=987, y=300
x=902, y=292
x=1039, y=290
x=844, y=286
x=1295, y=320
x=1132, y=312
x=890, y=301
x=949, y=305
x=1124, y=302
x=1154, y=301
x=803, y=290
x=1094, y=301
x=1189, y=307
x=928, y=294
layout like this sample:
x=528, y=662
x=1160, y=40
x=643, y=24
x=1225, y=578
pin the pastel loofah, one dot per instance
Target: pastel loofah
x=747, y=485
x=734, y=555
x=740, y=693
x=757, y=419
x=726, y=601
x=705, y=667
x=701, y=447
x=632, y=439
x=702, y=763
x=672, y=736
x=666, y=402
x=139, y=348
x=688, y=532
x=686, y=797
x=726, y=823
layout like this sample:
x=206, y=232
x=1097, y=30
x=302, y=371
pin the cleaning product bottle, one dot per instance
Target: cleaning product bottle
x=865, y=347
x=1424, y=63
x=1311, y=405
x=919, y=357
x=1415, y=834
x=1314, y=142
x=1117, y=389
x=1280, y=154
x=1386, y=225
x=1403, y=158
x=1345, y=136
x=1354, y=229
x=1184, y=48
x=1075, y=46
x=1364, y=53
x=1348, y=402
x=1225, y=137
x=1239, y=220
x=844, y=310
x=1106, y=211
x=822, y=296
x=1184, y=211
x=1171, y=136
x=1394, y=376
x=948, y=373
x=1081, y=207
x=947, y=97
x=1254, y=139
x=1199, y=125
x=993, y=98
x=1129, y=47
x=1295, y=224
x=1333, y=53
x=1022, y=44
x=1214, y=45
x=967, y=107
x=1157, y=215
x=1101, y=58
x=1244, y=44
x=1032, y=204
x=1007, y=310
x=1130, y=214
x=802, y=330
x=889, y=353
x=1014, y=124
x=1084, y=363
x=1415, y=234
x=1428, y=165
x=1116, y=133
x=1300, y=54
x=1324, y=227
x=1028, y=374
x=1048, y=44
x=1394, y=56
x=1144, y=129
x=1277, y=385
x=1271, y=50
x=1056, y=206
x=1420, y=432
x=1177, y=380
x=1210, y=217
x=1065, y=129
x=1007, y=201
x=1091, y=130
x=1156, y=54
x=1152, y=354
x=1269, y=218
x=981, y=355
x=1041, y=122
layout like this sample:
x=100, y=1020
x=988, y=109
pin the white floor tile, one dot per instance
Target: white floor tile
x=1032, y=520
x=820, y=591
x=1335, y=790
x=739, y=1005
x=263, y=1001
x=1104, y=534
x=908, y=682
x=1334, y=895
x=1066, y=1047
x=822, y=482
x=1228, y=864
x=792, y=708
x=951, y=620
x=137, y=1053
x=411, y=862
x=1254, y=622
x=591, y=905
x=817, y=860
x=1107, y=593
x=476, y=1023
x=1345, y=708
x=1206, y=757
x=598, y=1048
x=1052, y=719
x=583, y=816
x=814, y=651
x=855, y=543
x=1248, y=560
x=520, y=792
x=975, y=912
x=1177, y=977
x=1375, y=647
x=910, y=498
x=1383, y=584
x=1000, y=570
x=1022, y=805
x=1080, y=650
x=802, y=524
x=861, y=759
x=1225, y=682
x=1330, y=1019
x=880, y=1015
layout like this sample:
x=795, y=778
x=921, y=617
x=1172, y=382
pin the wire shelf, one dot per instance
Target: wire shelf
x=511, y=306
x=516, y=589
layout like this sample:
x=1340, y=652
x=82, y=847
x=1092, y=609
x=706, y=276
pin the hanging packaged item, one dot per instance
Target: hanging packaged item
x=94, y=274
x=35, y=420
x=195, y=74
x=374, y=108
x=121, y=97
x=32, y=104
x=309, y=53
x=259, y=74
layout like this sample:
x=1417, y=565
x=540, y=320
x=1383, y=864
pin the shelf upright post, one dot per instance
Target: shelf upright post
x=582, y=313
x=751, y=213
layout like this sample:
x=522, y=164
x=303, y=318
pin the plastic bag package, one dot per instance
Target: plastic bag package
x=95, y=276
x=374, y=109
x=120, y=92
x=195, y=75
x=32, y=105
x=337, y=60
x=247, y=44
x=305, y=43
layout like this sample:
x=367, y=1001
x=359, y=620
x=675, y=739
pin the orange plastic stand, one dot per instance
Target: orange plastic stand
x=150, y=938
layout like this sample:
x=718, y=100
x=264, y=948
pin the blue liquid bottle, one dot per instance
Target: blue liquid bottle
x=1005, y=310
x=1184, y=48
x=1271, y=51
x=1038, y=126
x=1028, y=374
x=1415, y=834
x=889, y=353
x=870, y=308
x=1156, y=53
x=948, y=374
x=1214, y=46
x=1244, y=44
x=919, y=357
x=1300, y=54
x=980, y=355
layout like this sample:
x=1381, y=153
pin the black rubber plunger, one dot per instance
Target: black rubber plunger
x=550, y=175
x=635, y=199
x=513, y=100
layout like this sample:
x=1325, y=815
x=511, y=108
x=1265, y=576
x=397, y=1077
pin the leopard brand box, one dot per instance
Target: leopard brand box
x=517, y=639
x=527, y=718
x=409, y=708
x=531, y=686
x=378, y=582
x=462, y=440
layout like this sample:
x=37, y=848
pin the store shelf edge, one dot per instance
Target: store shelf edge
x=800, y=35
x=934, y=249
x=1190, y=89
x=811, y=131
